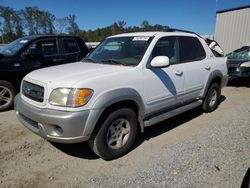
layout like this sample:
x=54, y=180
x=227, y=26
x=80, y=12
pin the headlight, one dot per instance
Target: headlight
x=70, y=97
x=245, y=64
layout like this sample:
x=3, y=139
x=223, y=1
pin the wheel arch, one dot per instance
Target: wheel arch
x=14, y=82
x=215, y=76
x=125, y=97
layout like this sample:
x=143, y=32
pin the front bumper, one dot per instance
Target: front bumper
x=52, y=125
x=242, y=72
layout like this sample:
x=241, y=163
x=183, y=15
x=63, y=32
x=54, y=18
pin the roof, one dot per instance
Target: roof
x=146, y=34
x=154, y=33
x=233, y=9
x=32, y=37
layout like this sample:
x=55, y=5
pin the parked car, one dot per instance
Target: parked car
x=239, y=63
x=130, y=81
x=33, y=52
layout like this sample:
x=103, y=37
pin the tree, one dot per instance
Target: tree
x=145, y=25
x=2, y=32
x=6, y=14
x=73, y=28
x=48, y=27
x=61, y=24
x=37, y=21
x=28, y=13
x=121, y=25
x=18, y=22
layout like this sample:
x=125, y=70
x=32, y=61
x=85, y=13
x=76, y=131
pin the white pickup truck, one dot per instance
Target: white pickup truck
x=130, y=81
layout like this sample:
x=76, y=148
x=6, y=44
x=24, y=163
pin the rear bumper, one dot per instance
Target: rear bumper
x=52, y=125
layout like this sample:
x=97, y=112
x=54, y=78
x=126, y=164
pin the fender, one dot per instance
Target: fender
x=111, y=97
x=214, y=74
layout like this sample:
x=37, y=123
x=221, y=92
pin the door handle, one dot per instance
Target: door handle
x=178, y=73
x=207, y=67
x=57, y=60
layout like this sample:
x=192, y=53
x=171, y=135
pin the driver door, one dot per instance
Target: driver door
x=40, y=54
x=164, y=87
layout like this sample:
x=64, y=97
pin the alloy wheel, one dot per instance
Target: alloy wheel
x=213, y=98
x=118, y=133
x=5, y=96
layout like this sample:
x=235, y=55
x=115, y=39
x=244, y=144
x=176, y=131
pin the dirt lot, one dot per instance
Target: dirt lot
x=190, y=150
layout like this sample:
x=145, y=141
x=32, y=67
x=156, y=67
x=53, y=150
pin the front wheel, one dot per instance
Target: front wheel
x=7, y=94
x=116, y=134
x=211, y=101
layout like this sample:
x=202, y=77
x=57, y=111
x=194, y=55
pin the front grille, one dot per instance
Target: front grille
x=231, y=69
x=33, y=91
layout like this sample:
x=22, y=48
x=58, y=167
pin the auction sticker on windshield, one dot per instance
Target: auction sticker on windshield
x=141, y=38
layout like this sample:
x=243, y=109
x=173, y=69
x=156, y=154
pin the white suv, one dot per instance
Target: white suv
x=130, y=81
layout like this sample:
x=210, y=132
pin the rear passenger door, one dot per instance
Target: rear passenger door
x=71, y=50
x=196, y=69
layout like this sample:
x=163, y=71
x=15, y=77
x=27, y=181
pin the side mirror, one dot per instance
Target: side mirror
x=160, y=62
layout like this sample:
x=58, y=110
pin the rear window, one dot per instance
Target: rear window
x=70, y=46
x=191, y=49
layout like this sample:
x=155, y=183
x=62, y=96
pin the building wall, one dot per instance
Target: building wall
x=232, y=29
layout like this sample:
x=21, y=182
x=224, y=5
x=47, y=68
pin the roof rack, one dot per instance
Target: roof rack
x=185, y=31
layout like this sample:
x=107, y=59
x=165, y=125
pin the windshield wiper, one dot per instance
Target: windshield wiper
x=112, y=61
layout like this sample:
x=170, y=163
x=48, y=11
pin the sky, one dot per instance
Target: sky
x=194, y=15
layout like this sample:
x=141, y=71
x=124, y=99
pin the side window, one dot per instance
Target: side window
x=167, y=46
x=70, y=46
x=45, y=47
x=191, y=49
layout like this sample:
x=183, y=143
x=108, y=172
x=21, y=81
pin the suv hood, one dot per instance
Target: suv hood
x=69, y=74
x=234, y=62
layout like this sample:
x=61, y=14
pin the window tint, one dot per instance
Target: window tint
x=70, y=46
x=191, y=49
x=45, y=47
x=167, y=46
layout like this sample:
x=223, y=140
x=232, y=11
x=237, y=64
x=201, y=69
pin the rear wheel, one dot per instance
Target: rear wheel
x=211, y=101
x=116, y=134
x=7, y=94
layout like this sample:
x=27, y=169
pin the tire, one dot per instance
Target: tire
x=116, y=134
x=212, y=99
x=7, y=94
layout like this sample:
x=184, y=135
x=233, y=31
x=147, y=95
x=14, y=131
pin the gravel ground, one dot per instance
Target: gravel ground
x=190, y=150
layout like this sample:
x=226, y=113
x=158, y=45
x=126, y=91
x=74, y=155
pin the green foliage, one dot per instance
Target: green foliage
x=31, y=20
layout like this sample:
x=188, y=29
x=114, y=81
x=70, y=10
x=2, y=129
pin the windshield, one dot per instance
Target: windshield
x=120, y=50
x=240, y=54
x=13, y=47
